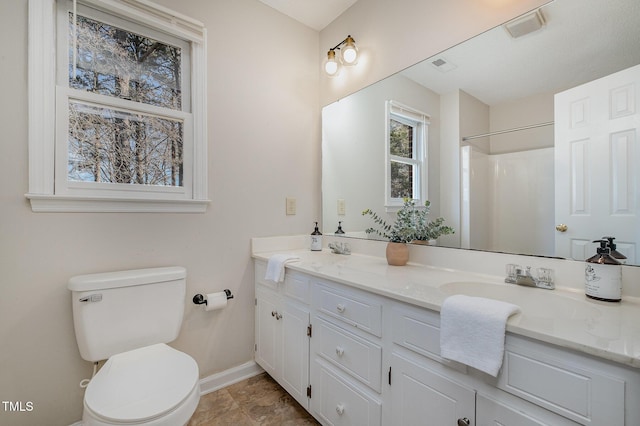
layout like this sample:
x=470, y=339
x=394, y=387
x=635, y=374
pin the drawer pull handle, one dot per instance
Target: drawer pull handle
x=273, y=313
x=340, y=409
x=340, y=308
x=464, y=422
x=276, y=314
x=339, y=350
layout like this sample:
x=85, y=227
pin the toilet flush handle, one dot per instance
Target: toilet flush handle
x=92, y=298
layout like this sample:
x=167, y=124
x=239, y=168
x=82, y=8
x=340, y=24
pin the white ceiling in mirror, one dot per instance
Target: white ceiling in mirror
x=492, y=83
x=495, y=76
x=316, y=14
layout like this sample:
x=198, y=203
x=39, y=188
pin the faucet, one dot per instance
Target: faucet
x=519, y=276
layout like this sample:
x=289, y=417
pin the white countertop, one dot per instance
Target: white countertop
x=564, y=316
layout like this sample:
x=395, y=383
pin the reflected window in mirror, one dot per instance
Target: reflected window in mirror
x=406, y=154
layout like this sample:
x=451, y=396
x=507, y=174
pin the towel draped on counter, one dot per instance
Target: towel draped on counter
x=275, y=266
x=472, y=331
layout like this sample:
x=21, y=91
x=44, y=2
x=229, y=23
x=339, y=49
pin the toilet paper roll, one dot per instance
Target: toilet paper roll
x=216, y=301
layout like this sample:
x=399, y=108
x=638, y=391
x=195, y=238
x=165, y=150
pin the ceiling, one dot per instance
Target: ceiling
x=493, y=67
x=581, y=41
x=316, y=14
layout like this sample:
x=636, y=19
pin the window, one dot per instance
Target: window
x=117, y=114
x=406, y=154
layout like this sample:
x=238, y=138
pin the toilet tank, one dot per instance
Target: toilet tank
x=115, y=312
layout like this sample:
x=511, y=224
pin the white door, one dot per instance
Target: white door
x=423, y=397
x=596, y=165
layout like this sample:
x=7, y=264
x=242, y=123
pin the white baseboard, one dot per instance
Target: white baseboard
x=228, y=377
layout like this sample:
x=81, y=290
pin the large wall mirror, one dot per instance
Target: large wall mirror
x=502, y=165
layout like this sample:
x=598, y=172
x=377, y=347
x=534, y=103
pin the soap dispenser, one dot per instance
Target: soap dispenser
x=339, y=230
x=316, y=239
x=603, y=275
x=615, y=253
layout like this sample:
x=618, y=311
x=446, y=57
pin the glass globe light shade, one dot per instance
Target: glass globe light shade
x=349, y=52
x=331, y=65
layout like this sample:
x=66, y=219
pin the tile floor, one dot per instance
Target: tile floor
x=251, y=402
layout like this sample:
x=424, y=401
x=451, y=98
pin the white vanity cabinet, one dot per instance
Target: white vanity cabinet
x=373, y=360
x=282, y=331
x=426, y=386
x=539, y=384
x=346, y=355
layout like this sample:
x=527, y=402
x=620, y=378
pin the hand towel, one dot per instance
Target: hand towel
x=275, y=266
x=472, y=331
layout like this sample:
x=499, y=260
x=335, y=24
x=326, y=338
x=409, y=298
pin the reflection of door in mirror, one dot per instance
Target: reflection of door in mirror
x=597, y=178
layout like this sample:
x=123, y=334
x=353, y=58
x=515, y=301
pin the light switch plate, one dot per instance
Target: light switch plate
x=291, y=205
x=341, y=207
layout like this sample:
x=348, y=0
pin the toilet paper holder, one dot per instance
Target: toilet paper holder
x=199, y=299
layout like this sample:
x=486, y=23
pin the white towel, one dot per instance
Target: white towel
x=275, y=266
x=472, y=331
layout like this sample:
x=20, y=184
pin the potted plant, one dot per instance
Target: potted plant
x=426, y=230
x=411, y=225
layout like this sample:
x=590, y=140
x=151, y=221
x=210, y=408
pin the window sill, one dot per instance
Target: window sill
x=64, y=204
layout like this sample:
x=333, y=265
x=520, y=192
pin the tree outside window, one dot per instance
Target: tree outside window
x=108, y=145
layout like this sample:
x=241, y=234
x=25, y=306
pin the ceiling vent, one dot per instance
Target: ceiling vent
x=525, y=24
x=442, y=65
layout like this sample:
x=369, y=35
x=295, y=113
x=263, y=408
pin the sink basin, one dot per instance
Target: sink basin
x=534, y=302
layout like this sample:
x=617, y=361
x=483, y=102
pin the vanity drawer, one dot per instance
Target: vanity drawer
x=352, y=307
x=565, y=383
x=260, y=269
x=357, y=356
x=418, y=330
x=297, y=286
x=338, y=401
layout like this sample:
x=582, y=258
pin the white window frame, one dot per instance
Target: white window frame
x=48, y=111
x=420, y=122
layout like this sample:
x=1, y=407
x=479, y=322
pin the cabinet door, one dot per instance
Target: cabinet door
x=295, y=351
x=268, y=332
x=421, y=396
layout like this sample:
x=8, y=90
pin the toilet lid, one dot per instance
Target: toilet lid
x=141, y=384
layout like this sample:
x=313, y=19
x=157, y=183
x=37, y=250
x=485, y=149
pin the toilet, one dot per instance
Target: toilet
x=127, y=318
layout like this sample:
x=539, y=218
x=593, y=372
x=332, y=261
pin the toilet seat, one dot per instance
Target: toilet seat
x=143, y=385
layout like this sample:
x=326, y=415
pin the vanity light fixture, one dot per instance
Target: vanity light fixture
x=348, y=57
